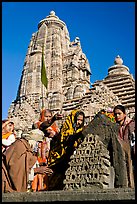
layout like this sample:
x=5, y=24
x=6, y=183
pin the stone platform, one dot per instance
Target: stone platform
x=119, y=194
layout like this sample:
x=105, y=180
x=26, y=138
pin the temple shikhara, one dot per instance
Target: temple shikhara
x=68, y=72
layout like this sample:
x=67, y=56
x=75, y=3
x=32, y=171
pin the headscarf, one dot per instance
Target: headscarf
x=36, y=135
x=69, y=126
x=42, y=119
x=5, y=132
x=42, y=114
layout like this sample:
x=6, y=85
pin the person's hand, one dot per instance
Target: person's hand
x=51, y=132
x=58, y=116
x=44, y=125
x=43, y=170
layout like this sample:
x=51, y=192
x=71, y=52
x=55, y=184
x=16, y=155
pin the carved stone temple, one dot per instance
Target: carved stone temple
x=68, y=72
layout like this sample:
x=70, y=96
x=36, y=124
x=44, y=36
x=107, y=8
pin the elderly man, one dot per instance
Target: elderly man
x=18, y=160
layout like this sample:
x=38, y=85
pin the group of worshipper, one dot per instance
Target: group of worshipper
x=29, y=162
x=26, y=162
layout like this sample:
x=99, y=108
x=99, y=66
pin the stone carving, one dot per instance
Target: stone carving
x=108, y=131
x=90, y=166
x=99, y=161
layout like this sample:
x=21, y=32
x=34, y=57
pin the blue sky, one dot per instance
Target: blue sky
x=105, y=29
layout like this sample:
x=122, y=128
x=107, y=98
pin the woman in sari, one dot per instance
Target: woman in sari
x=64, y=145
x=126, y=137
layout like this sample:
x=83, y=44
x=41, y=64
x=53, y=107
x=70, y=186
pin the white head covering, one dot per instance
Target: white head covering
x=35, y=134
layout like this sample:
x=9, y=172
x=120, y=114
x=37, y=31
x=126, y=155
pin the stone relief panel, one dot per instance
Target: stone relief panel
x=78, y=92
x=90, y=166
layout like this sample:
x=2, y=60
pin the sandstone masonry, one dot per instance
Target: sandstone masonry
x=68, y=72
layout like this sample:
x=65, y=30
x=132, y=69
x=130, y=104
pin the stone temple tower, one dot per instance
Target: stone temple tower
x=122, y=83
x=68, y=72
x=64, y=68
x=67, y=69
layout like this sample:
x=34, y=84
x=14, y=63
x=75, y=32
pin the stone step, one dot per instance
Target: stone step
x=122, y=194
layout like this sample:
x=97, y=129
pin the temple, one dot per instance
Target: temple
x=68, y=72
x=97, y=169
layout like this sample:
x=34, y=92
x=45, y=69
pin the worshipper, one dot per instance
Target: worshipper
x=8, y=134
x=47, y=124
x=18, y=163
x=50, y=129
x=46, y=120
x=64, y=145
x=70, y=136
x=124, y=122
x=126, y=137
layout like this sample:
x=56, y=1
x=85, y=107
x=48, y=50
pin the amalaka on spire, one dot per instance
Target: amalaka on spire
x=118, y=60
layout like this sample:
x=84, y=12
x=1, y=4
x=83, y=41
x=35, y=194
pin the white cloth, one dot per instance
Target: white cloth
x=8, y=141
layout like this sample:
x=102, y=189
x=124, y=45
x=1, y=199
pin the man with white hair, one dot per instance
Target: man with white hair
x=18, y=161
